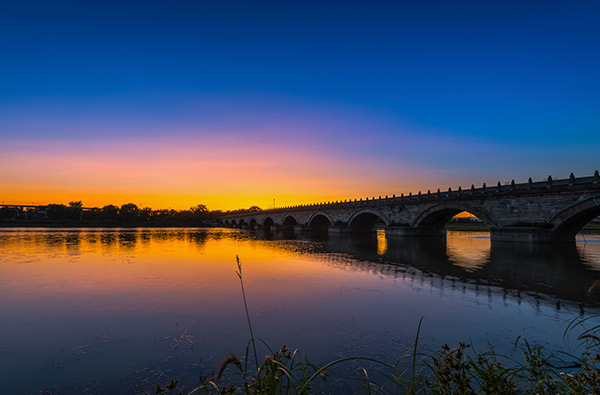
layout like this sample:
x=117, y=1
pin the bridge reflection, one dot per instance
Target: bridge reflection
x=567, y=271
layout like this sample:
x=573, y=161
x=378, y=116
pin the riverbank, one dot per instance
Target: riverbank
x=104, y=224
x=459, y=369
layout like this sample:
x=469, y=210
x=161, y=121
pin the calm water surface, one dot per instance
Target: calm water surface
x=114, y=310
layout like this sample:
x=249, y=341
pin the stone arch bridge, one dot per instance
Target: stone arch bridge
x=546, y=211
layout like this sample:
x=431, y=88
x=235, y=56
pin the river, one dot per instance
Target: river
x=118, y=310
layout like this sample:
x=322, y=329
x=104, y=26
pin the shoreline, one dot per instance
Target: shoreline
x=462, y=227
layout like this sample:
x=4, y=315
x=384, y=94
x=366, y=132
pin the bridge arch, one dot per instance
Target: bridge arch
x=242, y=223
x=290, y=221
x=570, y=221
x=320, y=221
x=253, y=223
x=268, y=221
x=434, y=219
x=366, y=219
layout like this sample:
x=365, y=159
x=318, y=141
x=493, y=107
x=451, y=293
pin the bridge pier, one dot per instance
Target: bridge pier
x=498, y=234
x=338, y=229
x=521, y=235
x=300, y=228
x=400, y=231
x=409, y=231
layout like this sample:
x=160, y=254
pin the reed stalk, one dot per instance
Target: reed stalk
x=239, y=273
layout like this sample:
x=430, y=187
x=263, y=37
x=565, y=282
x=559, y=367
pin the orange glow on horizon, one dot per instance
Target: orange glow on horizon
x=164, y=174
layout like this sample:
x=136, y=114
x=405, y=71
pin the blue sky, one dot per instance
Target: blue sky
x=472, y=89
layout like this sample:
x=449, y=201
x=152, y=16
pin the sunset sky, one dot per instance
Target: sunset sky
x=233, y=104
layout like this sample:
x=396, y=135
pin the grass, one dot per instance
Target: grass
x=591, y=229
x=451, y=370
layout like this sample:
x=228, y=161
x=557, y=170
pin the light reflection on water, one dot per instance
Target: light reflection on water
x=111, y=310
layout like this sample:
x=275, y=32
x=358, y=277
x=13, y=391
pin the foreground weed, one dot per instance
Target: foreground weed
x=451, y=371
x=492, y=377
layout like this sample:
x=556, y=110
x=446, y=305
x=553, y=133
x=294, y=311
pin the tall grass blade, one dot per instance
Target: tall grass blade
x=324, y=368
x=239, y=273
x=414, y=356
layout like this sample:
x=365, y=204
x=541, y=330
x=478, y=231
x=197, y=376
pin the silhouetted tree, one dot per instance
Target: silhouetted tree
x=215, y=214
x=56, y=212
x=184, y=216
x=161, y=214
x=110, y=212
x=8, y=213
x=245, y=210
x=73, y=212
x=93, y=214
x=129, y=212
x=199, y=209
x=195, y=216
x=199, y=212
x=146, y=213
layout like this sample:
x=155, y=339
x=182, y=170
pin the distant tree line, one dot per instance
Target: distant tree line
x=128, y=214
